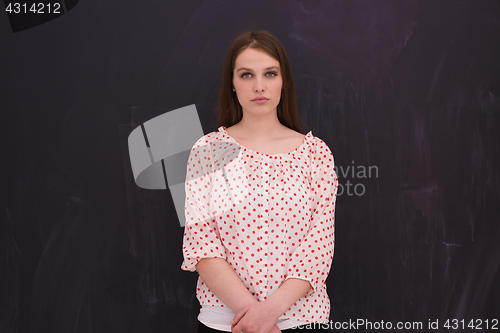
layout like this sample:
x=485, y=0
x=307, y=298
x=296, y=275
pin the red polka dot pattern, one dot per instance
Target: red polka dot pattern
x=271, y=217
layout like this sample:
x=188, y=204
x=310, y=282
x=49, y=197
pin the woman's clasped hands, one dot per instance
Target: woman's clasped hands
x=258, y=317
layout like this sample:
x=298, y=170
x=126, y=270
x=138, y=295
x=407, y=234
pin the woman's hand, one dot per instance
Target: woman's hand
x=275, y=329
x=255, y=318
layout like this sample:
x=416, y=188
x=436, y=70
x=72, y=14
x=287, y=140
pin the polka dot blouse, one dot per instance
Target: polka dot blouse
x=271, y=217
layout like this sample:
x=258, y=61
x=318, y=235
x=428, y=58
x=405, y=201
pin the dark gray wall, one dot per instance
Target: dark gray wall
x=410, y=88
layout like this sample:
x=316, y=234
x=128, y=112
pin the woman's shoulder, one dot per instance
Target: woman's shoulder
x=208, y=138
x=319, y=153
x=315, y=143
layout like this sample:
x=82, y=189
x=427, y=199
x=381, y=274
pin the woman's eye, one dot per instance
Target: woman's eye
x=273, y=74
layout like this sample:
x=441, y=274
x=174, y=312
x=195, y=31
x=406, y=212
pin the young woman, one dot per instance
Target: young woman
x=260, y=206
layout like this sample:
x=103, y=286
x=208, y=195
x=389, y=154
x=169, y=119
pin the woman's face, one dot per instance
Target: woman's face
x=256, y=74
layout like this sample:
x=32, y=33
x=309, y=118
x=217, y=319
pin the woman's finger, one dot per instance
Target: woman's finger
x=238, y=316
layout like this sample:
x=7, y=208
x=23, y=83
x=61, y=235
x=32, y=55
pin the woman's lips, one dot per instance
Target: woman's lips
x=260, y=101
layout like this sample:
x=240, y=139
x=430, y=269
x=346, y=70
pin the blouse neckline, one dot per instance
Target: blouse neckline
x=307, y=137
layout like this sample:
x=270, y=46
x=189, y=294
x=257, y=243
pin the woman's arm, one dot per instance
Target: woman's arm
x=224, y=283
x=227, y=286
x=273, y=307
x=287, y=294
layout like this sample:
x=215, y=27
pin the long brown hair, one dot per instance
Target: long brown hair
x=229, y=109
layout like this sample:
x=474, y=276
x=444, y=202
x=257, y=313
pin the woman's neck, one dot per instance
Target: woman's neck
x=260, y=129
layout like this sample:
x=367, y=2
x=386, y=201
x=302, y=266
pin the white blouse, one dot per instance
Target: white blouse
x=271, y=217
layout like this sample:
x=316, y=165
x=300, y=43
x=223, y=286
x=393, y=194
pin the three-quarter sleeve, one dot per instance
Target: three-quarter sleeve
x=201, y=237
x=312, y=259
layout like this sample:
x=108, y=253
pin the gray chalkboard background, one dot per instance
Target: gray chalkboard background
x=408, y=88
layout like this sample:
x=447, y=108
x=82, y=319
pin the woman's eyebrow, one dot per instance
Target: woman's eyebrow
x=248, y=69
